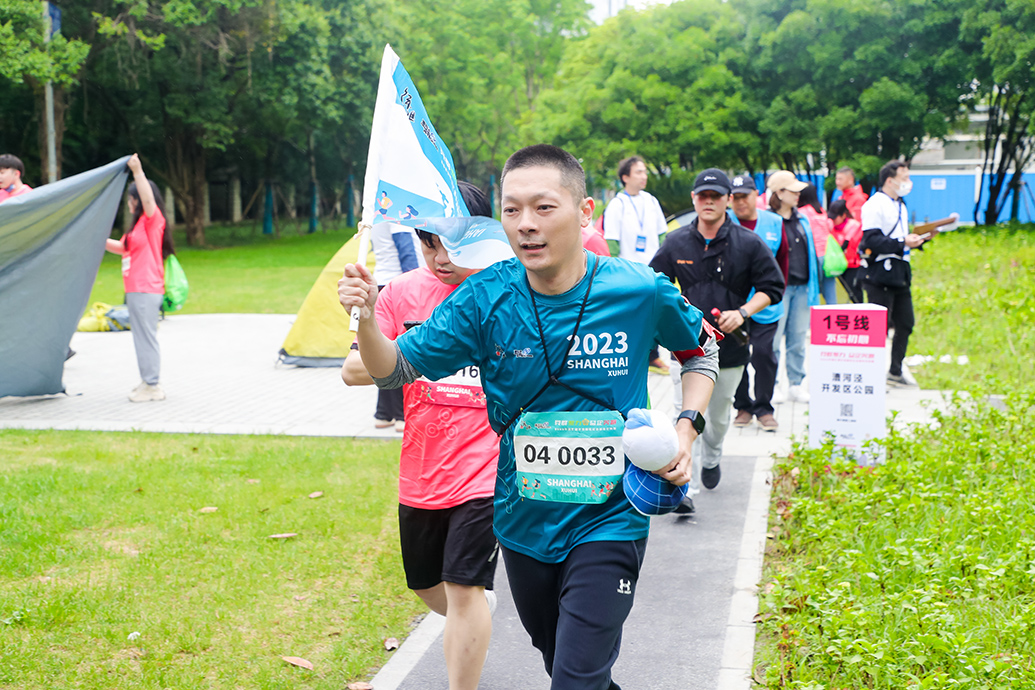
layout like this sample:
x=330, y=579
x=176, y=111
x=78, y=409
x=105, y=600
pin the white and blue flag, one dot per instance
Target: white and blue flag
x=410, y=178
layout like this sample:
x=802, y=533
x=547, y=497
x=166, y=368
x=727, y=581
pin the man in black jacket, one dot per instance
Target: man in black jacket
x=720, y=265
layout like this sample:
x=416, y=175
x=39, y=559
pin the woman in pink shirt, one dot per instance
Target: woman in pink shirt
x=144, y=249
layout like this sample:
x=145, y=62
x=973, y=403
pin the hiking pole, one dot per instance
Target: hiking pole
x=848, y=290
x=361, y=260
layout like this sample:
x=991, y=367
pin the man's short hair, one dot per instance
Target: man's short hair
x=475, y=200
x=573, y=177
x=625, y=167
x=889, y=170
x=846, y=169
x=8, y=160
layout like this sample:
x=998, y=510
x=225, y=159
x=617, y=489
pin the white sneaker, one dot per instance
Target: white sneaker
x=145, y=392
x=779, y=397
x=400, y=425
x=797, y=394
x=490, y=597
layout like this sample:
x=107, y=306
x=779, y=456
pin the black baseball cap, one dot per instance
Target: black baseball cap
x=712, y=180
x=744, y=184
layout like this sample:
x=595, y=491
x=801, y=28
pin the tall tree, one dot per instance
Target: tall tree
x=26, y=56
x=656, y=83
x=480, y=65
x=1004, y=84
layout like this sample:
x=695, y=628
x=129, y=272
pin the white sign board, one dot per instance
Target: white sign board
x=938, y=184
x=847, y=372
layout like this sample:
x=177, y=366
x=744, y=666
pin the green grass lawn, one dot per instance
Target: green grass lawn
x=111, y=576
x=241, y=271
x=974, y=295
x=920, y=573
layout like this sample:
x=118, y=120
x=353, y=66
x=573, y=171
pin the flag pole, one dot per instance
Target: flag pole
x=361, y=260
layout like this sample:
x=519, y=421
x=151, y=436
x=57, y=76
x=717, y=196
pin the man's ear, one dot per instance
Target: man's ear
x=586, y=211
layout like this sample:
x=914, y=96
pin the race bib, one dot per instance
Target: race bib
x=462, y=389
x=569, y=457
x=125, y=263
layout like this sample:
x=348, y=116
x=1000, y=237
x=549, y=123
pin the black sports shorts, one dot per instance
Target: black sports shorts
x=448, y=545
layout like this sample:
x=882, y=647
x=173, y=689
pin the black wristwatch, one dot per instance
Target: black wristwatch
x=695, y=417
x=743, y=313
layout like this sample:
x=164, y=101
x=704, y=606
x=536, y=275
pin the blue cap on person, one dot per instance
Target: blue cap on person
x=650, y=443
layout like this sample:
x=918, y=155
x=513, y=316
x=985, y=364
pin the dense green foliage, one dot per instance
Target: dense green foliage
x=282, y=92
x=111, y=575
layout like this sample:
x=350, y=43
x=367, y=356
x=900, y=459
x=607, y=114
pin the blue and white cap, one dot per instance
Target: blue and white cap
x=649, y=493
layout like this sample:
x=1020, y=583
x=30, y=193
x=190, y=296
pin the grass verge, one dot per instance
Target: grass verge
x=919, y=573
x=111, y=576
x=974, y=295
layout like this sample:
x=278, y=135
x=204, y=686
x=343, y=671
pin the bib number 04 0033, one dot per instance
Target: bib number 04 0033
x=569, y=457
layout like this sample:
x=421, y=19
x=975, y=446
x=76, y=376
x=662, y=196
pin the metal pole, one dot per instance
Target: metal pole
x=48, y=95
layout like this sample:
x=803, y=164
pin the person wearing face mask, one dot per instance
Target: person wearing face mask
x=886, y=246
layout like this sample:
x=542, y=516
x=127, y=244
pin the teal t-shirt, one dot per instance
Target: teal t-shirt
x=489, y=322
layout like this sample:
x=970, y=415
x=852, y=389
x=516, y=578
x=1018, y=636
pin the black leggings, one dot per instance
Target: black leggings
x=574, y=610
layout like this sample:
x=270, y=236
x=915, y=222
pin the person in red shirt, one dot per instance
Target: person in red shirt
x=852, y=193
x=808, y=205
x=848, y=233
x=11, y=172
x=447, y=468
x=144, y=250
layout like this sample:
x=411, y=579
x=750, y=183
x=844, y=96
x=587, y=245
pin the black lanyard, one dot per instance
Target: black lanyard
x=552, y=377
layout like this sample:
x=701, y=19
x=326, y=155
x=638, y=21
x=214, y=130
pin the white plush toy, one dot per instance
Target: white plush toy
x=649, y=440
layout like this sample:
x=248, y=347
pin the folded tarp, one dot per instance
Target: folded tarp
x=51, y=244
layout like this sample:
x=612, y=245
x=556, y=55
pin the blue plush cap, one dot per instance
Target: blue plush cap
x=649, y=493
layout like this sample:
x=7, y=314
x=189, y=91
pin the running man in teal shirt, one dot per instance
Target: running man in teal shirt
x=560, y=338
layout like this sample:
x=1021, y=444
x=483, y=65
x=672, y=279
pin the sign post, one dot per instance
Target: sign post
x=847, y=384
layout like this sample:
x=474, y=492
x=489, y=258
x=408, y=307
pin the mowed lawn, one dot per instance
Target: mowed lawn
x=148, y=561
x=241, y=271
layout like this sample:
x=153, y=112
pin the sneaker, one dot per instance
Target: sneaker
x=710, y=476
x=742, y=419
x=779, y=397
x=901, y=379
x=383, y=423
x=768, y=422
x=685, y=507
x=400, y=426
x=658, y=367
x=145, y=392
x=797, y=394
x=490, y=598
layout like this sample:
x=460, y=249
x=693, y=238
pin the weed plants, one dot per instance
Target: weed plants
x=920, y=572
x=146, y=560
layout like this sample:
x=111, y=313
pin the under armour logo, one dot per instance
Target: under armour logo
x=625, y=586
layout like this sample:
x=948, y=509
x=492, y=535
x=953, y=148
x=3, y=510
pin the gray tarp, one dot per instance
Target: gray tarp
x=51, y=244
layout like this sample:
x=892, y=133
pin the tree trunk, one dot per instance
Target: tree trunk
x=186, y=176
x=60, y=107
